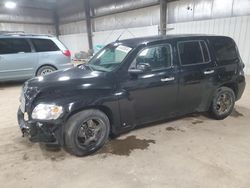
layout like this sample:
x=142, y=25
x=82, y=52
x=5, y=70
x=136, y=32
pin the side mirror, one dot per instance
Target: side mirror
x=140, y=68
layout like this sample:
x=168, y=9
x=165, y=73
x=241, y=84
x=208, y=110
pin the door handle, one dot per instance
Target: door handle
x=209, y=72
x=168, y=79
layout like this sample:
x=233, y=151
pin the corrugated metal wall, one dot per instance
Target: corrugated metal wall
x=136, y=18
x=236, y=27
x=219, y=17
x=28, y=20
x=193, y=10
x=79, y=42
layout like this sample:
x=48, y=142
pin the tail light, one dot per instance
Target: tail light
x=66, y=53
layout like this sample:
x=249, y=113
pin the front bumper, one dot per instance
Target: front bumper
x=36, y=131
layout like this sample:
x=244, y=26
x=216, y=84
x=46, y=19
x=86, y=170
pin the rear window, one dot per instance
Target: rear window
x=225, y=50
x=12, y=46
x=44, y=45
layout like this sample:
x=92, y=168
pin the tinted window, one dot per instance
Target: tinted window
x=44, y=45
x=12, y=46
x=205, y=51
x=157, y=57
x=190, y=53
x=225, y=49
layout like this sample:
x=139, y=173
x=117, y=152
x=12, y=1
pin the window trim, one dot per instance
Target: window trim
x=202, y=52
x=153, y=46
x=45, y=39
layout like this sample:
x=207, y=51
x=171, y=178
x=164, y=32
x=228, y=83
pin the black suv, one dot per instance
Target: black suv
x=130, y=83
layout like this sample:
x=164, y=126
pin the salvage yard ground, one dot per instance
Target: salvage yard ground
x=192, y=151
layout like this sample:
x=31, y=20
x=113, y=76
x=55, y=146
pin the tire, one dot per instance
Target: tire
x=80, y=138
x=223, y=103
x=45, y=70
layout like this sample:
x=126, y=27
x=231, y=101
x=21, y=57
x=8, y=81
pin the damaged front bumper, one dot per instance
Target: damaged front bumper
x=37, y=131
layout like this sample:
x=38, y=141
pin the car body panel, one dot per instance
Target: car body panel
x=22, y=66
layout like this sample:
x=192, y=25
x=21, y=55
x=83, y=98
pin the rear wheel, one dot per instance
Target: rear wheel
x=45, y=70
x=86, y=132
x=223, y=103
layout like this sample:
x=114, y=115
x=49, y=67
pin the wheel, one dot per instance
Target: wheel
x=45, y=70
x=223, y=103
x=86, y=132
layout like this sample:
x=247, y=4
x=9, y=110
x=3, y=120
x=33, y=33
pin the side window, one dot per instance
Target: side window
x=205, y=51
x=225, y=49
x=44, y=45
x=190, y=53
x=157, y=57
x=12, y=46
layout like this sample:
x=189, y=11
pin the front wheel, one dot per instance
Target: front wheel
x=223, y=103
x=86, y=132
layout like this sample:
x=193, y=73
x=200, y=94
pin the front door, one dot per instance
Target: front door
x=151, y=95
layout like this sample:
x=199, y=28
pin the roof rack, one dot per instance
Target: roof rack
x=21, y=33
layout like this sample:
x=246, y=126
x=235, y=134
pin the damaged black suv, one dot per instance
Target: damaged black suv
x=130, y=83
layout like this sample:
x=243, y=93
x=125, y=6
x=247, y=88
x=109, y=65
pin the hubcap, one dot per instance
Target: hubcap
x=46, y=71
x=90, y=133
x=224, y=103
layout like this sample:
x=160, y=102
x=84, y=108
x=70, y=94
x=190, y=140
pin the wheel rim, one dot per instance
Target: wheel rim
x=46, y=71
x=224, y=103
x=90, y=133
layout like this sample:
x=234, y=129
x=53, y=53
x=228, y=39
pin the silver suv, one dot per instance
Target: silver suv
x=24, y=56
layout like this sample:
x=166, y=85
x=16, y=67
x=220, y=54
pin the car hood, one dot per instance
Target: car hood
x=72, y=78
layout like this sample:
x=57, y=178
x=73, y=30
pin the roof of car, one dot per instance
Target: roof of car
x=133, y=42
x=17, y=35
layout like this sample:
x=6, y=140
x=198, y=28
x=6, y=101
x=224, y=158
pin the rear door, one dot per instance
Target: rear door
x=197, y=70
x=17, y=60
x=48, y=53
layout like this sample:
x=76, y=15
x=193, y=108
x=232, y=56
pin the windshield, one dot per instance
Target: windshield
x=109, y=58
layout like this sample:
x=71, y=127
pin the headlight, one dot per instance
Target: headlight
x=47, y=112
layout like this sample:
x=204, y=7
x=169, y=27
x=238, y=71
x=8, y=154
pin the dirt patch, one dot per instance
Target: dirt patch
x=125, y=146
x=236, y=114
x=174, y=129
x=197, y=122
x=25, y=157
x=54, y=153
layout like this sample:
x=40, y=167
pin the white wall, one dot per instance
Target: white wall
x=236, y=27
x=75, y=42
x=79, y=42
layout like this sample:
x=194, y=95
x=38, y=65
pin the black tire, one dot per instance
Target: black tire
x=77, y=132
x=45, y=70
x=223, y=103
